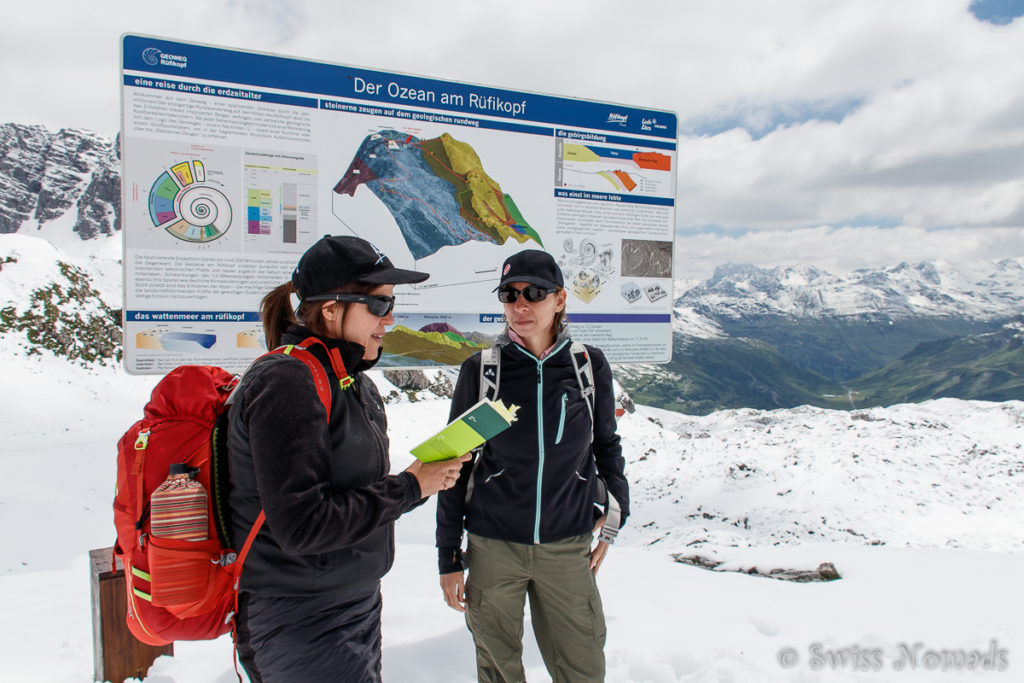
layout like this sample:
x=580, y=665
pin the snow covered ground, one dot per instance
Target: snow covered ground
x=919, y=508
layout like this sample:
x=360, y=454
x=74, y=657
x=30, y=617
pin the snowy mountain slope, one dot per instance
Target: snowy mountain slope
x=687, y=323
x=48, y=301
x=840, y=327
x=979, y=291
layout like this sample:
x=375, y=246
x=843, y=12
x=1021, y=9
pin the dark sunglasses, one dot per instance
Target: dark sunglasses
x=533, y=293
x=378, y=304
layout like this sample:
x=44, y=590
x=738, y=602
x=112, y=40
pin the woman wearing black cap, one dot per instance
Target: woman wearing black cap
x=309, y=600
x=527, y=501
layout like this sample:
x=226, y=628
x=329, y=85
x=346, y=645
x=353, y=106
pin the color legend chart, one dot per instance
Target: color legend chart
x=260, y=214
x=281, y=201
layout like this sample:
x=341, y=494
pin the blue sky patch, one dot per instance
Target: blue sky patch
x=760, y=120
x=999, y=12
x=736, y=231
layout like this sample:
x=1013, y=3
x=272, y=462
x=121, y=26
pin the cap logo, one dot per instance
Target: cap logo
x=378, y=252
x=508, y=267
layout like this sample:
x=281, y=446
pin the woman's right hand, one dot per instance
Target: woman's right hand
x=453, y=586
x=437, y=476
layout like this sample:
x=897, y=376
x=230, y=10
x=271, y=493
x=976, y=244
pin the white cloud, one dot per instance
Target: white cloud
x=933, y=135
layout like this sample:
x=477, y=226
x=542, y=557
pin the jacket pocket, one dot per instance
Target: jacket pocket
x=561, y=419
x=597, y=619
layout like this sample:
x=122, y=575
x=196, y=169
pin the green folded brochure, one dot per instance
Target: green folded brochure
x=483, y=421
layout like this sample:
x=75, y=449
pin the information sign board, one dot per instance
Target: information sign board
x=235, y=162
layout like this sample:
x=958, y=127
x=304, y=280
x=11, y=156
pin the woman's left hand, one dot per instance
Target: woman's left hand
x=598, y=553
x=437, y=476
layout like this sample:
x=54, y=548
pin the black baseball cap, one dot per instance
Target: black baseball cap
x=534, y=266
x=334, y=262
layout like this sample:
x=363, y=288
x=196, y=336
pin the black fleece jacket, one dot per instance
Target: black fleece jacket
x=329, y=499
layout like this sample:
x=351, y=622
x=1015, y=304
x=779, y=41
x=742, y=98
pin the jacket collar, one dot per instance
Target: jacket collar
x=510, y=337
x=351, y=353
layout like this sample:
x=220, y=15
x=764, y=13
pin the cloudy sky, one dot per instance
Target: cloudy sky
x=833, y=132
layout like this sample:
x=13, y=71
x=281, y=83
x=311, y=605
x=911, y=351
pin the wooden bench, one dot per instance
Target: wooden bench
x=117, y=654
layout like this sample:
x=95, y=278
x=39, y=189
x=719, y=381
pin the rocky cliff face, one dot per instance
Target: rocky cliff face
x=45, y=176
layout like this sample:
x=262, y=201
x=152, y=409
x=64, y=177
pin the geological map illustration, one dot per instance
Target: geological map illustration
x=436, y=190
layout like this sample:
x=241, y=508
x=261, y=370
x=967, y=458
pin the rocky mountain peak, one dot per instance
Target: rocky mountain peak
x=47, y=176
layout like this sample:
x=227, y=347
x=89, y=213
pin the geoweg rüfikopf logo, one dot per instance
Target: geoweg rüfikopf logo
x=151, y=56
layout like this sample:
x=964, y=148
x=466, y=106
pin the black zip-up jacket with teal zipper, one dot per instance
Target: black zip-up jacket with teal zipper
x=535, y=481
x=330, y=501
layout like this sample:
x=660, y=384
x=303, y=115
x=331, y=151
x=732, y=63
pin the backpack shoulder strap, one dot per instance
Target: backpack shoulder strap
x=490, y=378
x=236, y=572
x=490, y=372
x=239, y=560
x=334, y=356
x=323, y=387
x=585, y=377
x=603, y=497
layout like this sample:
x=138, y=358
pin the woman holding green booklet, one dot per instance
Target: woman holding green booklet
x=527, y=499
x=309, y=605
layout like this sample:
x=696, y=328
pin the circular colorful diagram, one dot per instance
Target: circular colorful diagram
x=184, y=206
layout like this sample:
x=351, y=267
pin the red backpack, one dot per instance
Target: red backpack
x=187, y=589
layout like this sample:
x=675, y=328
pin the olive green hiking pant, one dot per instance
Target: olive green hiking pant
x=565, y=606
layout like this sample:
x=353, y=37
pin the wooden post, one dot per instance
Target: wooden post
x=117, y=654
